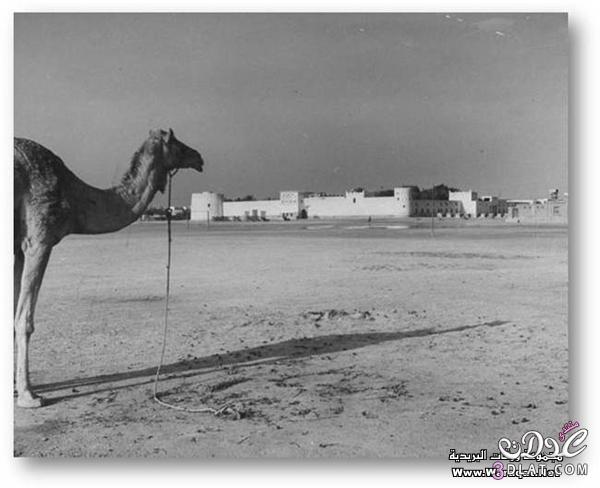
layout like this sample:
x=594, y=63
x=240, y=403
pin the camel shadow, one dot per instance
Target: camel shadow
x=266, y=354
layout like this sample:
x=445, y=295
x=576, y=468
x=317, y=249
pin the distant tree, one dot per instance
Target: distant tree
x=380, y=193
x=247, y=198
x=440, y=192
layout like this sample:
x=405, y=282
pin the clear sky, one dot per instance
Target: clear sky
x=319, y=102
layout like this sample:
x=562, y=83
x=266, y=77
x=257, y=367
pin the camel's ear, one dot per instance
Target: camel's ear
x=168, y=136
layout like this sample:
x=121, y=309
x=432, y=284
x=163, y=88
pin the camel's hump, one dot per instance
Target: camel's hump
x=36, y=167
x=31, y=158
x=34, y=152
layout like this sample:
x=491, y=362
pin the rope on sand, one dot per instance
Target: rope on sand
x=226, y=409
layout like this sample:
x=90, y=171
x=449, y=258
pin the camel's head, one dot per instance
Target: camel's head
x=176, y=154
x=168, y=154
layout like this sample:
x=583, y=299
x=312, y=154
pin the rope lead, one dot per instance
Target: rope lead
x=223, y=409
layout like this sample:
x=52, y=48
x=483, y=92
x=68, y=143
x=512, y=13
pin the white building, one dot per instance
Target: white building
x=354, y=203
x=554, y=209
x=468, y=199
x=472, y=206
x=206, y=205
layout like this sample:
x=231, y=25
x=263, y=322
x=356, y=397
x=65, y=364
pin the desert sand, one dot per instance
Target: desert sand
x=331, y=339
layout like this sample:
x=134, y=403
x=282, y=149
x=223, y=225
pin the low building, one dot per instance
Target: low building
x=475, y=206
x=554, y=209
x=436, y=208
x=490, y=206
x=468, y=200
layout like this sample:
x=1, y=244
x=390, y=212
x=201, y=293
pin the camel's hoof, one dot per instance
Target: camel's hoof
x=29, y=400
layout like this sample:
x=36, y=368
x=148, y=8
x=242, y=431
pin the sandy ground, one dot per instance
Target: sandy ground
x=331, y=340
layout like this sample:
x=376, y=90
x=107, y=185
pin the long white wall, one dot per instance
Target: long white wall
x=353, y=203
x=350, y=206
x=271, y=208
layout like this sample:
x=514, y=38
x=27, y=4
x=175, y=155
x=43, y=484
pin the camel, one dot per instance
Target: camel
x=51, y=203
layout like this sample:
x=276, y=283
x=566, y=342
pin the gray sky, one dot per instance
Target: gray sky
x=321, y=102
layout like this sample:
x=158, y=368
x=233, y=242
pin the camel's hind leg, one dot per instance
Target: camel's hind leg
x=36, y=259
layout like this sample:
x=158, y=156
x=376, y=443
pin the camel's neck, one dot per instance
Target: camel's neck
x=99, y=211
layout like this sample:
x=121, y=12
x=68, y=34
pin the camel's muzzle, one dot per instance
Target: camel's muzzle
x=194, y=160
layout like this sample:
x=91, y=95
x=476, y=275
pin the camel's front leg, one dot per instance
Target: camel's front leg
x=18, y=273
x=36, y=259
